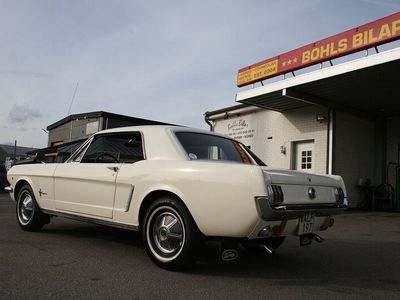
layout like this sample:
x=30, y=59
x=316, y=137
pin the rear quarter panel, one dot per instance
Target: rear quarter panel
x=219, y=195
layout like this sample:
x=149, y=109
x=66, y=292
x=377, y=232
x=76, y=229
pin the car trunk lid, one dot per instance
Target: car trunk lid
x=304, y=188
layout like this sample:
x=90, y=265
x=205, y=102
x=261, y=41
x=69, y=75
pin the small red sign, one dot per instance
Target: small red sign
x=366, y=36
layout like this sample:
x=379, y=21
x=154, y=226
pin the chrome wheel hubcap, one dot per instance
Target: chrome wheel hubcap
x=26, y=208
x=165, y=232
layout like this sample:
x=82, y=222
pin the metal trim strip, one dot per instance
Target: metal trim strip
x=128, y=203
x=91, y=220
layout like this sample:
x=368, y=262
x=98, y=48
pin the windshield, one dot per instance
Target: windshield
x=212, y=147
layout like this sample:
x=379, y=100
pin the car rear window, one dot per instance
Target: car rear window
x=212, y=147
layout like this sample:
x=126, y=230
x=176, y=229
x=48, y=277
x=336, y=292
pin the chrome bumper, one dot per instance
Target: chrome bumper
x=281, y=212
x=8, y=189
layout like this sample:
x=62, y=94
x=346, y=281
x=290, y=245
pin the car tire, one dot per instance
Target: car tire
x=170, y=235
x=29, y=215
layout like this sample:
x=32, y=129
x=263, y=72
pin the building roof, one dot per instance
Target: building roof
x=367, y=86
x=226, y=109
x=97, y=114
x=67, y=148
x=20, y=151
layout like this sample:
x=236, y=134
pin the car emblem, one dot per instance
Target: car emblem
x=311, y=193
x=41, y=193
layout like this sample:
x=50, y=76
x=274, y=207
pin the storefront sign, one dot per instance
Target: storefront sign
x=366, y=36
x=239, y=129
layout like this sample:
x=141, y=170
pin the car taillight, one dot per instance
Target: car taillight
x=275, y=194
x=339, y=196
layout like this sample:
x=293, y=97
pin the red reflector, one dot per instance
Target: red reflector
x=276, y=230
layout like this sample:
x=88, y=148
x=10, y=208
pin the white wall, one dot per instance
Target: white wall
x=354, y=150
x=266, y=131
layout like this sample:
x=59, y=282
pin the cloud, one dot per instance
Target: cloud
x=21, y=113
x=163, y=60
x=28, y=74
x=382, y=3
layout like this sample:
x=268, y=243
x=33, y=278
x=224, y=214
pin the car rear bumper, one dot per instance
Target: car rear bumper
x=294, y=211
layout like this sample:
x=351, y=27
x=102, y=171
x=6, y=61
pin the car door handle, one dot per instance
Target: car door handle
x=115, y=169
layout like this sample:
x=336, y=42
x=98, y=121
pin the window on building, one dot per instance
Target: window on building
x=306, y=160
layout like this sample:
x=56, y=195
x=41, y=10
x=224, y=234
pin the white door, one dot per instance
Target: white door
x=87, y=184
x=304, y=156
x=86, y=188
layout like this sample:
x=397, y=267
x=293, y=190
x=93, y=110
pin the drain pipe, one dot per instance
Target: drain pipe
x=207, y=120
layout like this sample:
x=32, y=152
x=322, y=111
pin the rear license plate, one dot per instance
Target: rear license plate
x=306, y=223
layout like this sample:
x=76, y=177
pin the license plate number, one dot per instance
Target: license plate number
x=306, y=223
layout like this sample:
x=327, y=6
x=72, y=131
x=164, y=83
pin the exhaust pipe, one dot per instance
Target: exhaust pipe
x=268, y=249
x=317, y=238
x=306, y=239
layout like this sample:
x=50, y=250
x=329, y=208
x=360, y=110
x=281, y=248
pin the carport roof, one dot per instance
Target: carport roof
x=368, y=86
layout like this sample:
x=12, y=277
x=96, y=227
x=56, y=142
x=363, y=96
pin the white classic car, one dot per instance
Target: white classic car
x=179, y=187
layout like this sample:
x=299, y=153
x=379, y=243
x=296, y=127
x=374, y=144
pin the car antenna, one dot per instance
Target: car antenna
x=73, y=98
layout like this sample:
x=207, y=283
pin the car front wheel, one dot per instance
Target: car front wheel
x=170, y=234
x=29, y=216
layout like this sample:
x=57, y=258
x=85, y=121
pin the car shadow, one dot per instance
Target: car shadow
x=77, y=229
x=334, y=263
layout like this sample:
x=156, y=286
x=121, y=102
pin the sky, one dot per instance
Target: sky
x=168, y=61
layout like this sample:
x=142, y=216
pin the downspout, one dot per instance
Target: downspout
x=207, y=120
x=331, y=142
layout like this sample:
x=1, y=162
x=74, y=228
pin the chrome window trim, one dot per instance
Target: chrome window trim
x=85, y=144
x=174, y=131
x=90, y=140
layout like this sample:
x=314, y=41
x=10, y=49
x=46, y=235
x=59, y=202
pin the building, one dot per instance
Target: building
x=9, y=154
x=67, y=134
x=340, y=119
x=80, y=126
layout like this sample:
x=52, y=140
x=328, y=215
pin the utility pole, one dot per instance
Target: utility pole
x=15, y=151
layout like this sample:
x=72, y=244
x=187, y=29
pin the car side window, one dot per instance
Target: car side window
x=115, y=148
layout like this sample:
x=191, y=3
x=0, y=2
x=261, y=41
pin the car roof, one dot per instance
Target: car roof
x=155, y=128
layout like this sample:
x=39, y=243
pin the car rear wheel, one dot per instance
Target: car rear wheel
x=170, y=235
x=29, y=216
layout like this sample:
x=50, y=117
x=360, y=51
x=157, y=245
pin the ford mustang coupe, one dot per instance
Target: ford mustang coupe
x=179, y=187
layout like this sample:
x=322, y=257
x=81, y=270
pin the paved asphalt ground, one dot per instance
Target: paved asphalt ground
x=360, y=259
